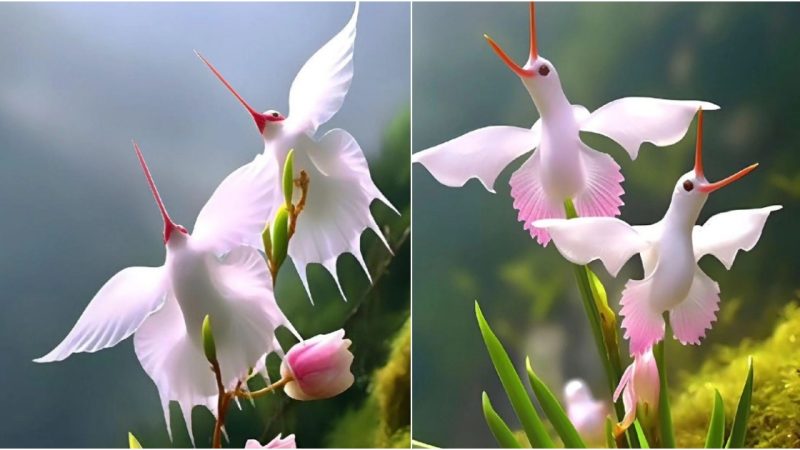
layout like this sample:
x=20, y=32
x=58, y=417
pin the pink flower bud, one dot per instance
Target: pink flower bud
x=587, y=414
x=278, y=442
x=319, y=367
x=640, y=388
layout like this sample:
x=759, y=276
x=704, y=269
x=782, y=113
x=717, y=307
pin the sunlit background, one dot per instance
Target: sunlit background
x=468, y=245
x=77, y=83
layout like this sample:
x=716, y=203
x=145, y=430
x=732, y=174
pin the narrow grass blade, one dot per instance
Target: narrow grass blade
x=133, y=442
x=611, y=441
x=716, y=426
x=664, y=413
x=640, y=434
x=566, y=431
x=520, y=401
x=419, y=444
x=739, y=428
x=501, y=432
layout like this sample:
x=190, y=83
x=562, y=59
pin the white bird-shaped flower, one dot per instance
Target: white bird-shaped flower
x=669, y=250
x=562, y=167
x=341, y=188
x=215, y=271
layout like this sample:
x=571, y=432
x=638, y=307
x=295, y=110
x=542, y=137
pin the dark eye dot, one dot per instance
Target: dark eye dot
x=275, y=114
x=544, y=70
x=688, y=185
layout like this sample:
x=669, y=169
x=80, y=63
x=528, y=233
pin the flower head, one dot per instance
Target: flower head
x=640, y=388
x=278, y=442
x=319, y=367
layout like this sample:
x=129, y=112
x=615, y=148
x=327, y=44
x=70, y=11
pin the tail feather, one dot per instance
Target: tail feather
x=602, y=194
x=644, y=326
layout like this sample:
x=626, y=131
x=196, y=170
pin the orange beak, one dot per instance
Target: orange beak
x=260, y=119
x=534, y=52
x=698, y=163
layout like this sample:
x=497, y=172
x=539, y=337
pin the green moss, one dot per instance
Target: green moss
x=383, y=420
x=774, y=415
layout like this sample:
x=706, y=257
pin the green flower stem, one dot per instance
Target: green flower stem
x=665, y=430
x=604, y=331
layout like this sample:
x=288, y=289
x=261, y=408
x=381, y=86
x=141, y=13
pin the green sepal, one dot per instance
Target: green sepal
x=520, y=401
x=739, y=427
x=716, y=426
x=288, y=178
x=209, y=346
x=501, y=432
x=558, y=418
x=280, y=236
x=267, y=239
x=132, y=441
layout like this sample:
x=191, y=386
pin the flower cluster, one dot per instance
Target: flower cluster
x=212, y=302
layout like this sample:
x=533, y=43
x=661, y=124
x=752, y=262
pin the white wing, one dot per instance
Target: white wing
x=320, y=86
x=724, y=234
x=585, y=239
x=115, y=312
x=481, y=154
x=239, y=209
x=632, y=121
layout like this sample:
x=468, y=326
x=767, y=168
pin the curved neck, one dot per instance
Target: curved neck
x=551, y=102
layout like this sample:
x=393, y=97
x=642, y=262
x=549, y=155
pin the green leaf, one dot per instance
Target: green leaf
x=132, y=441
x=716, y=426
x=640, y=434
x=739, y=428
x=611, y=442
x=501, y=432
x=664, y=413
x=520, y=401
x=288, y=177
x=566, y=431
x=419, y=444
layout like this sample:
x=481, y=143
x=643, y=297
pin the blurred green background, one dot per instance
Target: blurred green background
x=78, y=81
x=468, y=245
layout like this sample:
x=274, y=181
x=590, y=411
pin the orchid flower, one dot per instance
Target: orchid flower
x=278, y=442
x=562, y=167
x=341, y=189
x=669, y=250
x=215, y=271
x=586, y=414
x=319, y=367
x=640, y=388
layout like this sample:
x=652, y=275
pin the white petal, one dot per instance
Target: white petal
x=603, y=191
x=240, y=207
x=585, y=239
x=480, y=154
x=724, y=234
x=632, y=121
x=693, y=316
x=320, y=86
x=337, y=209
x=115, y=312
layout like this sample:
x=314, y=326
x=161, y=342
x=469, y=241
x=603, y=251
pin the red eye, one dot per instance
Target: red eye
x=544, y=70
x=688, y=185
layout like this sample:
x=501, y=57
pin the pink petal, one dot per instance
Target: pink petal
x=692, y=317
x=643, y=325
x=601, y=196
x=532, y=201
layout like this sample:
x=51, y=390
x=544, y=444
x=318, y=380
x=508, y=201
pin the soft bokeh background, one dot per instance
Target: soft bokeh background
x=467, y=243
x=77, y=83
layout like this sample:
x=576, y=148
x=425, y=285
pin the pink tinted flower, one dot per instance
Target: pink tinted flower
x=319, y=367
x=639, y=387
x=587, y=414
x=278, y=442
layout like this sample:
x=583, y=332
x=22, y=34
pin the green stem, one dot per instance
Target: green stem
x=605, y=337
x=665, y=429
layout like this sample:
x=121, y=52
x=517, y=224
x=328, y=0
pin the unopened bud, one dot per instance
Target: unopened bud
x=288, y=177
x=280, y=236
x=209, y=346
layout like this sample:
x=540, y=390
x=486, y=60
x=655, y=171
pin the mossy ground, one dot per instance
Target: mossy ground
x=775, y=409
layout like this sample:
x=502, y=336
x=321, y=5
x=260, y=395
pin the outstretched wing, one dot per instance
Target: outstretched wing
x=585, y=239
x=481, y=154
x=724, y=234
x=319, y=88
x=632, y=121
x=115, y=312
x=239, y=209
